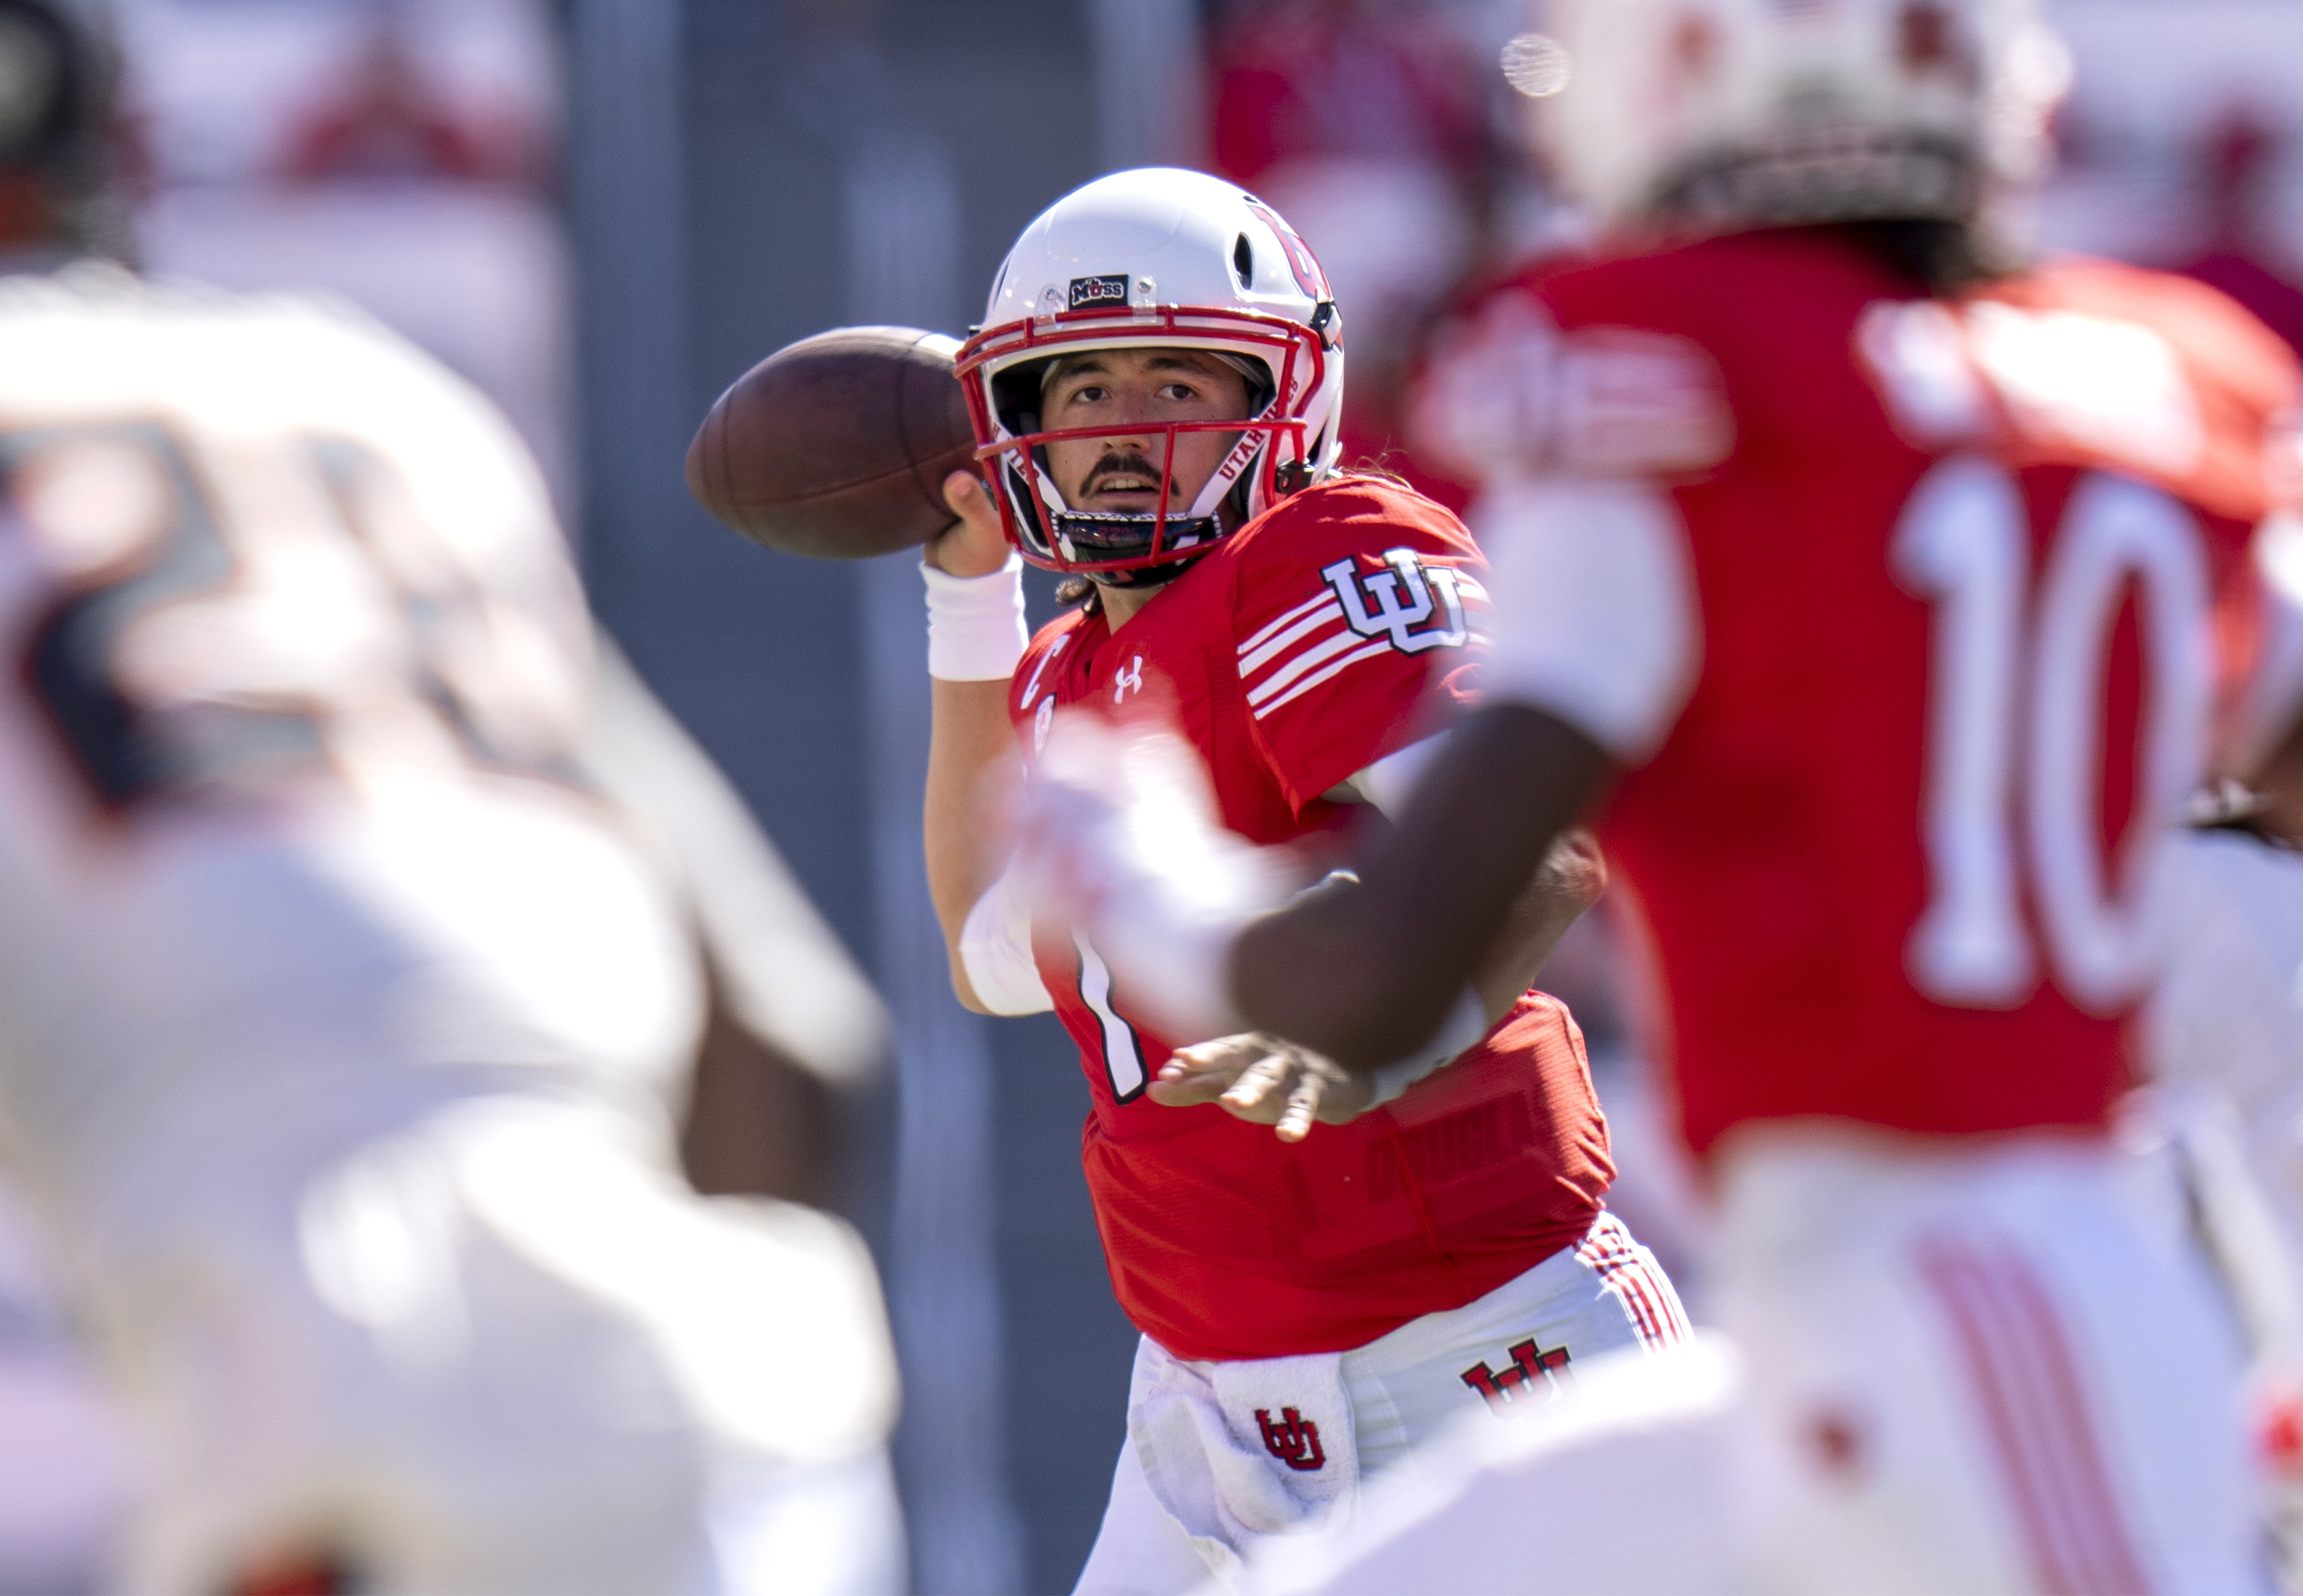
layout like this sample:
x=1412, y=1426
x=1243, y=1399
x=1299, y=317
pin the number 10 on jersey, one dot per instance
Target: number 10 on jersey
x=2017, y=713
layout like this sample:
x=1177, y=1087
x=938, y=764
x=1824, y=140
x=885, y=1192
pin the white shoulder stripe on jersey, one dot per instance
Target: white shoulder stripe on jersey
x=1306, y=659
x=1326, y=614
x=1380, y=646
x=1325, y=596
x=1274, y=662
x=1290, y=616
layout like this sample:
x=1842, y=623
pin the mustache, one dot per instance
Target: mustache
x=1121, y=464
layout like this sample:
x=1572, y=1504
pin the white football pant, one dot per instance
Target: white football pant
x=1200, y=1483
x=503, y=1351
x=1997, y=1370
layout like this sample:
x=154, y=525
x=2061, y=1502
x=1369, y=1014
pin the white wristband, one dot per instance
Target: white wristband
x=976, y=624
x=1466, y=1024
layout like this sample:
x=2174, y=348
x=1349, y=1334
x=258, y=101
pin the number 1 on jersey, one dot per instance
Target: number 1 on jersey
x=1962, y=544
x=1123, y=1054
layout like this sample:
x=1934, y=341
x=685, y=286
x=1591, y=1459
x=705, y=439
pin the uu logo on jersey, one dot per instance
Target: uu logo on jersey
x=1413, y=605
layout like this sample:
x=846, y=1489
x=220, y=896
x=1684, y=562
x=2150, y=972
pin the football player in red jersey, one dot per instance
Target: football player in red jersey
x=1884, y=595
x=1155, y=389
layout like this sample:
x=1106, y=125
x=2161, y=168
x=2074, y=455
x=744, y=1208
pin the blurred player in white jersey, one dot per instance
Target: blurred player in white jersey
x=2227, y=1016
x=1881, y=591
x=341, y=1013
x=2222, y=1039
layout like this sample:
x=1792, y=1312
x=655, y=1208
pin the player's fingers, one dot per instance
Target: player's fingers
x=1205, y=1070
x=964, y=496
x=973, y=545
x=1303, y=1111
x=1179, y=1088
x=1256, y=1094
x=1225, y=1053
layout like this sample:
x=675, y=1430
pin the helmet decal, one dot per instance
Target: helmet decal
x=1111, y=289
x=1301, y=261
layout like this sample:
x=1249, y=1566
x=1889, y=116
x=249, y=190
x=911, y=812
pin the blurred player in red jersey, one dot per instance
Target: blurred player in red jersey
x=1869, y=582
x=1156, y=385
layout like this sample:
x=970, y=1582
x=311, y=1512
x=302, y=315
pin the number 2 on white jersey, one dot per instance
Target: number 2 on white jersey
x=2016, y=728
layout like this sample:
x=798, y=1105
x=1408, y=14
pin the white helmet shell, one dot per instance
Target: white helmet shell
x=1158, y=257
x=1728, y=112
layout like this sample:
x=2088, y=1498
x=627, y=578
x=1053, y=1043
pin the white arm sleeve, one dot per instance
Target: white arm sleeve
x=1596, y=617
x=995, y=950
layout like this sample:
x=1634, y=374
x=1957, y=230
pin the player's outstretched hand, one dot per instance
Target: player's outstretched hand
x=973, y=545
x=1263, y=1080
x=1117, y=838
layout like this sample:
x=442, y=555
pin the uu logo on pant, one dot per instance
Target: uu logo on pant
x=1294, y=1440
x=1533, y=1377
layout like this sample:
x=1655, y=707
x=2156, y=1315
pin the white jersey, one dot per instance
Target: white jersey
x=336, y=1008
x=2227, y=1014
x=296, y=664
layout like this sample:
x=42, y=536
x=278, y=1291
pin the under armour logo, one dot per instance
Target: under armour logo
x=1294, y=1440
x=1533, y=1378
x=1417, y=607
x=1127, y=680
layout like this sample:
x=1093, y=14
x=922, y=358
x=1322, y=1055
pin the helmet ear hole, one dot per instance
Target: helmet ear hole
x=1243, y=261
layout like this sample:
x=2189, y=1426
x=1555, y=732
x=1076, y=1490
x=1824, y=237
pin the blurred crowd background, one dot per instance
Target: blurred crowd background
x=603, y=211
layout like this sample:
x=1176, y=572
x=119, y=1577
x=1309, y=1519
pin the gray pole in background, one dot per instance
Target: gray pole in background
x=1150, y=83
x=744, y=172
x=903, y=232
x=630, y=215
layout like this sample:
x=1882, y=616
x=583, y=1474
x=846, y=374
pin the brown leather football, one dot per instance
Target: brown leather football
x=836, y=447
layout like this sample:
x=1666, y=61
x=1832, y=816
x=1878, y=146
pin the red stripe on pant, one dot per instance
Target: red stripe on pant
x=1608, y=1250
x=2018, y=1362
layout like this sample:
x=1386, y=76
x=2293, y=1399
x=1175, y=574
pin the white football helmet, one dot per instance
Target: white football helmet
x=1708, y=114
x=1156, y=259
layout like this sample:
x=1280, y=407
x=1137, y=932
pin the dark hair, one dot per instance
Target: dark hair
x=1378, y=465
x=1080, y=591
x=1941, y=259
x=60, y=128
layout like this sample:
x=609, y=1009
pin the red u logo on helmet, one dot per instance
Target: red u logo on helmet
x=1301, y=261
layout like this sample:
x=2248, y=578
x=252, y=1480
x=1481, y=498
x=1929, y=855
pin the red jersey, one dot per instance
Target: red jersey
x=1900, y=609
x=1296, y=654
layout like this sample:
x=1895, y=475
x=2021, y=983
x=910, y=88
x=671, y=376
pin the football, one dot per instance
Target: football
x=836, y=447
